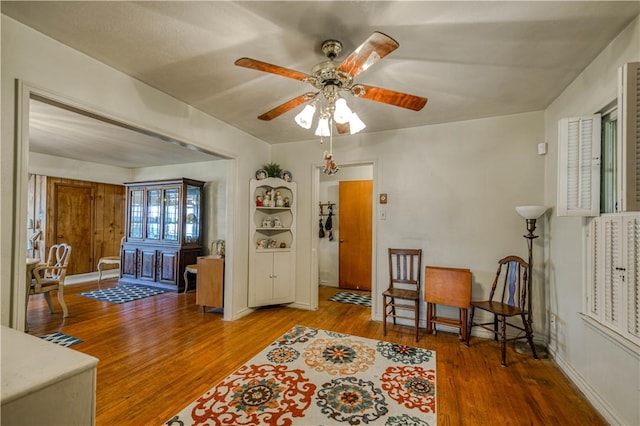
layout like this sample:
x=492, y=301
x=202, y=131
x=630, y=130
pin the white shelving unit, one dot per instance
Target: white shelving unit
x=272, y=252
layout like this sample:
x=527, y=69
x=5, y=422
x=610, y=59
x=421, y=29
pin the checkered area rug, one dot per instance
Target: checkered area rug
x=122, y=293
x=61, y=339
x=354, y=299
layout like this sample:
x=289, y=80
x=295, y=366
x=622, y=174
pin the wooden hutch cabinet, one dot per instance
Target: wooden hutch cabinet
x=163, y=232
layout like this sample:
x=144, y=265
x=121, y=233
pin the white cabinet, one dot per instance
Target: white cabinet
x=272, y=242
x=44, y=383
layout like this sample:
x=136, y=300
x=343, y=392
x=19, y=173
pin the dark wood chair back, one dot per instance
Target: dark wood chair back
x=510, y=284
x=405, y=267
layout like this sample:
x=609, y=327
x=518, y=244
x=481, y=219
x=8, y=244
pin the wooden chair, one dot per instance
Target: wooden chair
x=507, y=299
x=108, y=260
x=449, y=287
x=405, y=267
x=50, y=276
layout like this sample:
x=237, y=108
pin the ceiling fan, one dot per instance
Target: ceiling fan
x=330, y=78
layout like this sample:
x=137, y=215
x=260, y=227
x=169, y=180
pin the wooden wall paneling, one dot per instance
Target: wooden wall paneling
x=107, y=217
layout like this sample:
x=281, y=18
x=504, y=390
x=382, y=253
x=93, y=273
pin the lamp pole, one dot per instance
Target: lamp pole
x=530, y=214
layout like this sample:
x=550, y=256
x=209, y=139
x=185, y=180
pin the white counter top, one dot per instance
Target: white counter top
x=30, y=364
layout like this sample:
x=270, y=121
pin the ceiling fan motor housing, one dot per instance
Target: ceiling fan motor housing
x=331, y=49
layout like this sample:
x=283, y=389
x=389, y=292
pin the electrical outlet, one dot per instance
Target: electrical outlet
x=383, y=215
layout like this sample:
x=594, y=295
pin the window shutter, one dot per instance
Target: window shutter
x=629, y=131
x=632, y=245
x=596, y=269
x=579, y=166
x=612, y=277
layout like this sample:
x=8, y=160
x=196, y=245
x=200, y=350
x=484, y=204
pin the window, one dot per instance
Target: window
x=612, y=286
x=608, y=164
x=591, y=162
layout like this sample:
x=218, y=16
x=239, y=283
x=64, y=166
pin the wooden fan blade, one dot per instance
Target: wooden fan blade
x=287, y=106
x=391, y=97
x=376, y=47
x=273, y=69
x=343, y=128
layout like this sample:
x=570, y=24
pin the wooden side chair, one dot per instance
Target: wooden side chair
x=108, y=260
x=507, y=299
x=50, y=276
x=405, y=267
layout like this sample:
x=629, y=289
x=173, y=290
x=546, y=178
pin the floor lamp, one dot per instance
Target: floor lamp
x=530, y=214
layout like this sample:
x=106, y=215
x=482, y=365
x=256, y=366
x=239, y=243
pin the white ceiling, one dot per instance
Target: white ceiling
x=471, y=59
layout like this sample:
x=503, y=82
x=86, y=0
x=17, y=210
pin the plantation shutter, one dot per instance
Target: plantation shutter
x=579, y=166
x=629, y=131
x=612, y=276
x=613, y=282
x=632, y=245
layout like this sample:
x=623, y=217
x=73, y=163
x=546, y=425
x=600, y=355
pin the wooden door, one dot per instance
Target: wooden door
x=73, y=216
x=355, y=215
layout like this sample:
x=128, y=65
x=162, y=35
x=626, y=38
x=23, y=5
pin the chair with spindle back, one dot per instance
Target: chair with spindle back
x=507, y=299
x=405, y=267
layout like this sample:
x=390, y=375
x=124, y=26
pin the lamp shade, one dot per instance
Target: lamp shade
x=531, y=212
x=355, y=124
x=323, y=127
x=342, y=112
x=305, y=117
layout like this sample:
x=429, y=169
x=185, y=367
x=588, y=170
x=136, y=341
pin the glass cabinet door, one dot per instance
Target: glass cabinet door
x=136, y=213
x=192, y=225
x=154, y=205
x=171, y=210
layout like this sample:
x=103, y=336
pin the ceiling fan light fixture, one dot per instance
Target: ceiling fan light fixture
x=355, y=124
x=305, y=117
x=342, y=113
x=323, y=127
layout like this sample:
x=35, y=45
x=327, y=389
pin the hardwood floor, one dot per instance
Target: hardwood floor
x=159, y=354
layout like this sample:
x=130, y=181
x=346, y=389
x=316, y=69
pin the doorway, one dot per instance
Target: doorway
x=328, y=251
x=355, y=237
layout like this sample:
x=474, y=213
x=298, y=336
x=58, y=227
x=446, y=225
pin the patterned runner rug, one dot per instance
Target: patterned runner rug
x=355, y=299
x=123, y=293
x=316, y=377
x=61, y=339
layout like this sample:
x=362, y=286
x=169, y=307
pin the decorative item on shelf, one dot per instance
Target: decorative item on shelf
x=261, y=174
x=530, y=214
x=287, y=202
x=267, y=222
x=279, y=200
x=259, y=201
x=272, y=169
x=283, y=245
x=266, y=200
x=273, y=244
x=261, y=244
x=286, y=176
x=220, y=247
x=276, y=222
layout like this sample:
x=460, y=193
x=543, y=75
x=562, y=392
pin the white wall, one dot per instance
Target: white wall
x=452, y=191
x=328, y=251
x=45, y=65
x=608, y=374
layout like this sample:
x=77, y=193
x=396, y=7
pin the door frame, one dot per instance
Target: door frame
x=315, y=199
x=24, y=91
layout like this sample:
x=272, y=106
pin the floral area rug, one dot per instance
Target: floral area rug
x=316, y=377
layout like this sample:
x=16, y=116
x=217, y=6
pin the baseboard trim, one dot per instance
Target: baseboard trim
x=599, y=403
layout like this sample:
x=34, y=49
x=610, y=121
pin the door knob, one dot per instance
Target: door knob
x=342, y=241
x=59, y=236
